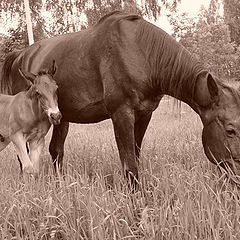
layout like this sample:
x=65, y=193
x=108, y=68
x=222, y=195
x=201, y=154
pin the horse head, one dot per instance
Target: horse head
x=44, y=87
x=220, y=114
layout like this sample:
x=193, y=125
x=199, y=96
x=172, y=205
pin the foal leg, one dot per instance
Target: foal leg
x=56, y=147
x=123, y=123
x=20, y=163
x=35, y=150
x=20, y=145
x=139, y=132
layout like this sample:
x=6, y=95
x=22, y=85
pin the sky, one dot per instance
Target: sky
x=190, y=6
x=193, y=6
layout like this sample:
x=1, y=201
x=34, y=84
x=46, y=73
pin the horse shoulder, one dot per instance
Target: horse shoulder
x=20, y=112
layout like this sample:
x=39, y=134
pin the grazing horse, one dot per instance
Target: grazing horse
x=120, y=69
x=27, y=116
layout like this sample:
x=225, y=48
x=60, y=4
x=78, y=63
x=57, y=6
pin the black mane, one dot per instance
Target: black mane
x=171, y=65
x=118, y=15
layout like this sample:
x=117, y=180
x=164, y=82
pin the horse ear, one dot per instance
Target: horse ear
x=212, y=86
x=52, y=69
x=27, y=75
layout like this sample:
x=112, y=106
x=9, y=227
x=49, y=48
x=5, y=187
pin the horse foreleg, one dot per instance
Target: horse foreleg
x=123, y=122
x=56, y=147
x=35, y=150
x=20, y=144
x=139, y=132
x=20, y=163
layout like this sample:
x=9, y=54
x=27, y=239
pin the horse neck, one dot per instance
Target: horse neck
x=182, y=85
x=171, y=69
x=175, y=73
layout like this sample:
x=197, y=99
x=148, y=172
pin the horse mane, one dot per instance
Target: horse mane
x=172, y=68
x=118, y=15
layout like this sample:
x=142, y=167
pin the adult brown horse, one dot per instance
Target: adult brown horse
x=120, y=69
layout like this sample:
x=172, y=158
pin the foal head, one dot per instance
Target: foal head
x=44, y=88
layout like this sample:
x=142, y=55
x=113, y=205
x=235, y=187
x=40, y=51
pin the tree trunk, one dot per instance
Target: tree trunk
x=29, y=22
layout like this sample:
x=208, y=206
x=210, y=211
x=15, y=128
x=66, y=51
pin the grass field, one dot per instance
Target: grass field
x=182, y=195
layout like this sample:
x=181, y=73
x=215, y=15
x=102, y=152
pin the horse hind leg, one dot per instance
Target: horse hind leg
x=56, y=147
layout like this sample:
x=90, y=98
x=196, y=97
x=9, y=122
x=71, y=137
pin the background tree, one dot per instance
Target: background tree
x=232, y=18
x=52, y=17
x=208, y=37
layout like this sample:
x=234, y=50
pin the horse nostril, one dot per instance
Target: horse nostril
x=56, y=116
x=52, y=115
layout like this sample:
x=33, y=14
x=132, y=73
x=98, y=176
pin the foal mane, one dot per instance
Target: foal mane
x=45, y=72
x=172, y=68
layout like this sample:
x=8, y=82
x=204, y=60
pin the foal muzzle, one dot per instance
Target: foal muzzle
x=55, y=118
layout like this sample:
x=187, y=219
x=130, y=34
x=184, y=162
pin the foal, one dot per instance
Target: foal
x=27, y=116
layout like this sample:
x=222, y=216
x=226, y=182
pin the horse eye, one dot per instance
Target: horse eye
x=231, y=132
x=38, y=93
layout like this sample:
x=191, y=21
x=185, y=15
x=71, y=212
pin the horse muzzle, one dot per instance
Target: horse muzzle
x=55, y=118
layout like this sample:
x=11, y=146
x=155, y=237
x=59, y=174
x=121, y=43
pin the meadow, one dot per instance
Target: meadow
x=182, y=195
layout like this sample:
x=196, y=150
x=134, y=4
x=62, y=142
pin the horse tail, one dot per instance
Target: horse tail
x=6, y=82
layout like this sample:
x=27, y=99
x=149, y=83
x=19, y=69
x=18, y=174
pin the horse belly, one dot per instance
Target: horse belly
x=91, y=113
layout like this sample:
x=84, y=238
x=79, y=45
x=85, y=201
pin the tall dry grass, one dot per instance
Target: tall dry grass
x=182, y=195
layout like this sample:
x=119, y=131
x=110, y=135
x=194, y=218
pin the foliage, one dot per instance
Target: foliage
x=65, y=15
x=93, y=14
x=208, y=37
x=232, y=18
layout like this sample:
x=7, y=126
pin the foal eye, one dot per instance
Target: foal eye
x=38, y=94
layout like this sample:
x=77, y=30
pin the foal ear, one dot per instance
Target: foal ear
x=212, y=86
x=27, y=75
x=52, y=69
